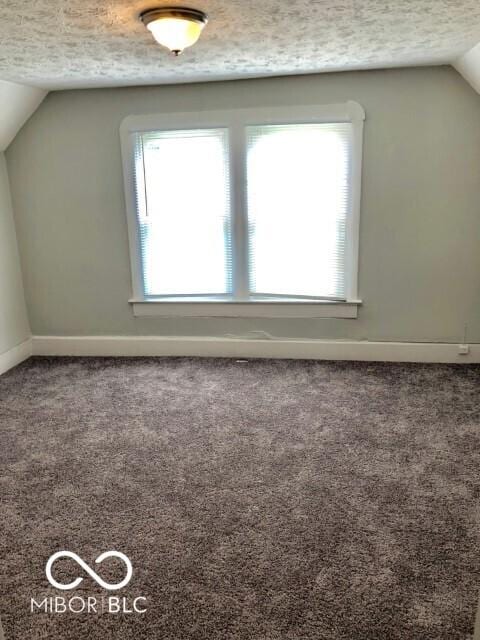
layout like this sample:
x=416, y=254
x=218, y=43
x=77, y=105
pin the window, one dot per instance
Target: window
x=183, y=209
x=246, y=212
x=297, y=189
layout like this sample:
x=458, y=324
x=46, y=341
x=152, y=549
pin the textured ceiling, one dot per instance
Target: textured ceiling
x=86, y=43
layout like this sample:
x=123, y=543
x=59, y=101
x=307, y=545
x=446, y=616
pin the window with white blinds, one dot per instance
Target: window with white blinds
x=298, y=200
x=183, y=208
x=247, y=206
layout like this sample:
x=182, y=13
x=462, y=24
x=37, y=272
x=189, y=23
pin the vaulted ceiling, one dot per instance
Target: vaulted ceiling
x=17, y=103
x=58, y=44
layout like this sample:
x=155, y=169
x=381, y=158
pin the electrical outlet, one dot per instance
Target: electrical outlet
x=463, y=349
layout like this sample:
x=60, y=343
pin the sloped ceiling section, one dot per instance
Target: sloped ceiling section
x=469, y=66
x=17, y=103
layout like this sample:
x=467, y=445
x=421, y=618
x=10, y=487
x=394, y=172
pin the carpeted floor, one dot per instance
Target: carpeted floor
x=269, y=500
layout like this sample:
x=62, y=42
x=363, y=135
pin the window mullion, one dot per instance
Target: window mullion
x=240, y=257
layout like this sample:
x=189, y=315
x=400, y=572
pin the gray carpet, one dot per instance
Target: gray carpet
x=272, y=500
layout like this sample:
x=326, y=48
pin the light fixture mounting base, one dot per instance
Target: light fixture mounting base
x=173, y=12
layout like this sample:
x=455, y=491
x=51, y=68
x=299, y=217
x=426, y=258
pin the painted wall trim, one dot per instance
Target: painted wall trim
x=468, y=66
x=236, y=309
x=248, y=348
x=17, y=103
x=12, y=357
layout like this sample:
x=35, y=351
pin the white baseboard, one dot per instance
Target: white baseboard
x=15, y=356
x=248, y=348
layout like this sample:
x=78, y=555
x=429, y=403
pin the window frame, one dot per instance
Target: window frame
x=236, y=121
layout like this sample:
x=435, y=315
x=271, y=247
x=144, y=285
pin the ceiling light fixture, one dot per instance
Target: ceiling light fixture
x=176, y=28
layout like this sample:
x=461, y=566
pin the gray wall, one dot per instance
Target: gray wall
x=14, y=327
x=420, y=225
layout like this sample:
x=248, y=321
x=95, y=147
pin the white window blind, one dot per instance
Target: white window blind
x=257, y=207
x=298, y=201
x=183, y=209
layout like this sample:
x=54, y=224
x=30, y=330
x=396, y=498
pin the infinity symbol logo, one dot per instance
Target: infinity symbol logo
x=87, y=569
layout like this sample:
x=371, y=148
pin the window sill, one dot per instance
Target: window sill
x=235, y=309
